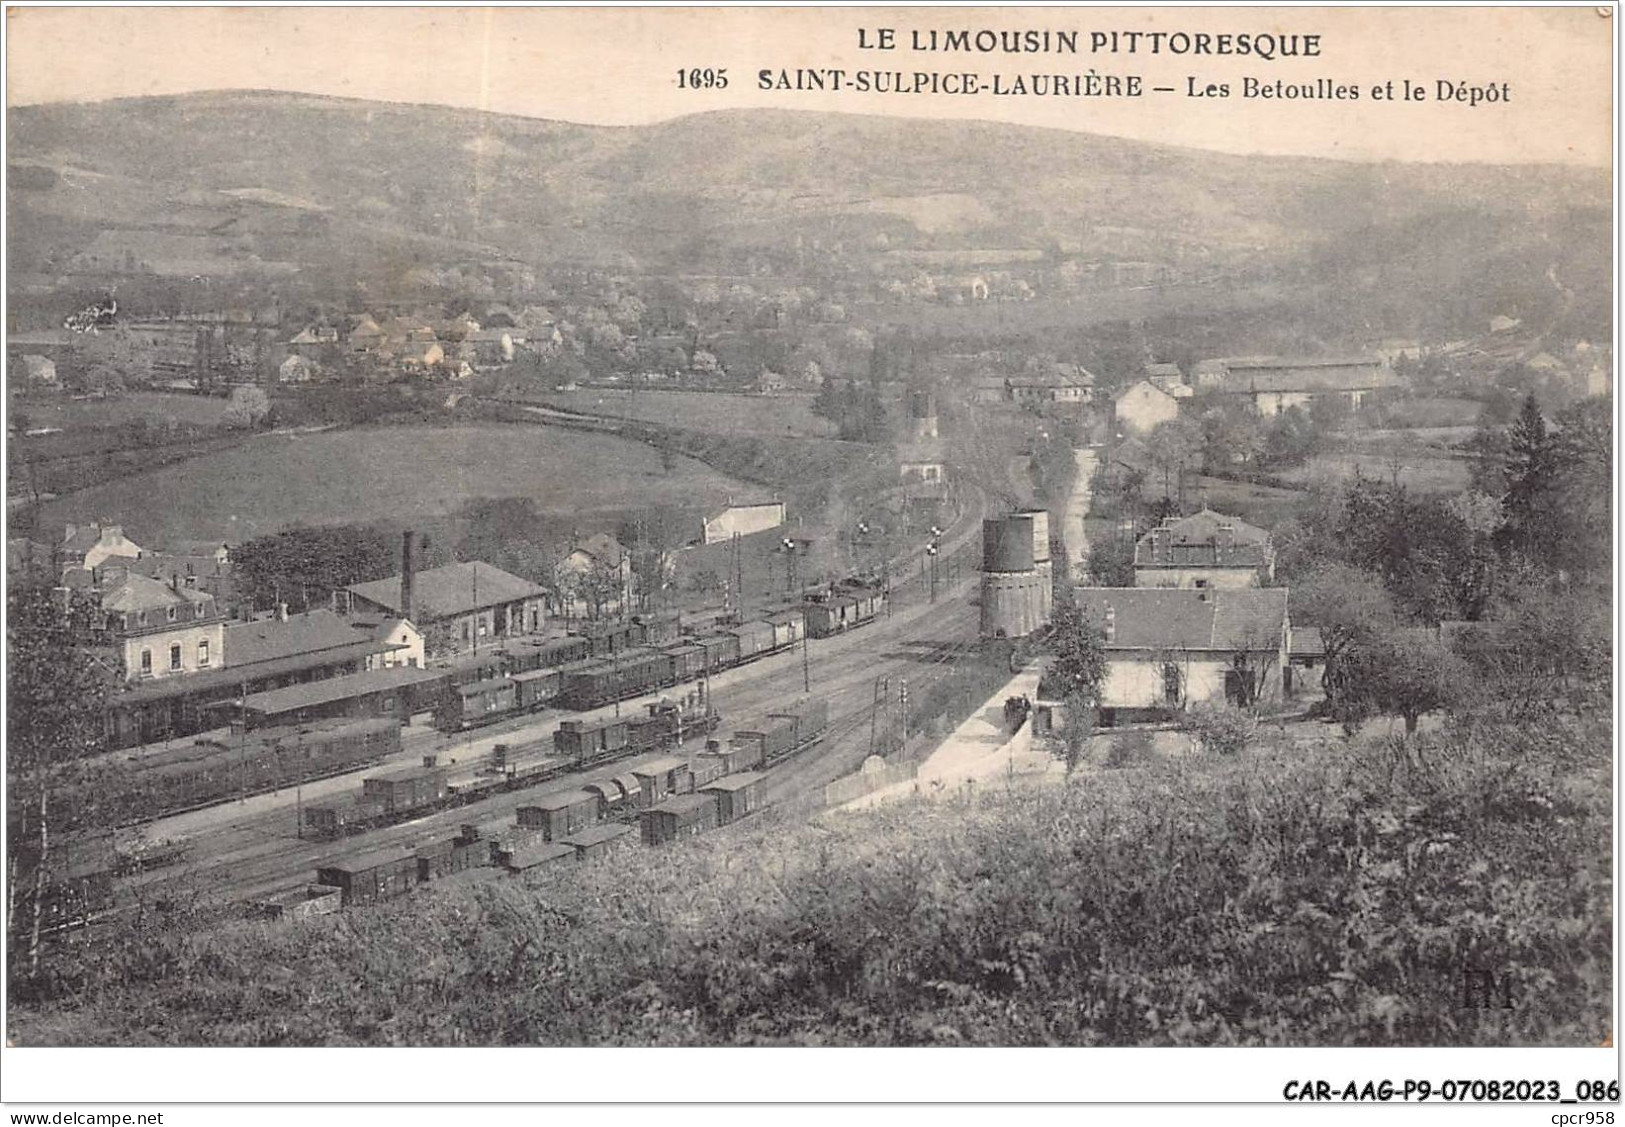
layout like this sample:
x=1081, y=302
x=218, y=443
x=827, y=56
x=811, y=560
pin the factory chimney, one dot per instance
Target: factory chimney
x=407, y=562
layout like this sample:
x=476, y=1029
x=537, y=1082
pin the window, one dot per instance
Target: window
x=1172, y=683
x=203, y=653
x=1201, y=583
x=389, y=704
x=175, y=656
x=172, y=614
x=146, y=663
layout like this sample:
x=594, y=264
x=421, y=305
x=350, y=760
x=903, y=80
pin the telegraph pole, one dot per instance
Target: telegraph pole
x=806, y=674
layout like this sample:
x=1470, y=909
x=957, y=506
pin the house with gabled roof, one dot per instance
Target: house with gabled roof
x=457, y=607
x=1206, y=549
x=1273, y=384
x=1170, y=648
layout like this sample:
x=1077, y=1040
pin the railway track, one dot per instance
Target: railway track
x=251, y=848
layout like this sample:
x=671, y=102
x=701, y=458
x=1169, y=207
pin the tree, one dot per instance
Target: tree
x=1078, y=718
x=247, y=409
x=1349, y=606
x=57, y=677
x=1110, y=562
x=1529, y=477
x=1176, y=446
x=1078, y=663
x=304, y=566
x=1400, y=672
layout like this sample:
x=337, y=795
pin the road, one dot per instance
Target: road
x=251, y=847
x=1077, y=507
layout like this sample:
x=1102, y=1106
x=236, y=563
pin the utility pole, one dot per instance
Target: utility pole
x=806, y=674
x=299, y=788
x=882, y=697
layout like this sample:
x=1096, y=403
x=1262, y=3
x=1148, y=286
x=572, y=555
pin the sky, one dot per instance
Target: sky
x=619, y=66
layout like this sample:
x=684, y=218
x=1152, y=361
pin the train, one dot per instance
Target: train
x=215, y=769
x=404, y=793
x=603, y=663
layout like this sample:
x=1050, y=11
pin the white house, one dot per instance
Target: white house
x=1142, y=406
x=297, y=369
x=1170, y=648
x=93, y=545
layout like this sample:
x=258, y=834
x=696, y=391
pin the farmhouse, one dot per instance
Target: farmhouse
x=1055, y=386
x=92, y=545
x=1142, y=406
x=1167, y=648
x=456, y=607
x=741, y=519
x=1272, y=384
x=1208, y=549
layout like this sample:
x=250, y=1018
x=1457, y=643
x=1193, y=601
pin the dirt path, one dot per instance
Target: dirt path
x=1077, y=507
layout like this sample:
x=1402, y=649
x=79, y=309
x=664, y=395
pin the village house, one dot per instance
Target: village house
x=366, y=336
x=297, y=369
x=1143, y=406
x=457, y=607
x=1168, y=648
x=595, y=578
x=1056, y=386
x=90, y=546
x=1207, y=549
x=491, y=347
x=1271, y=385
x=924, y=459
x=314, y=342
x=1169, y=378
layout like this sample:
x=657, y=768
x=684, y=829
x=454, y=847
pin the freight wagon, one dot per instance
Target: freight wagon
x=445, y=857
x=661, y=777
x=591, y=844
x=721, y=651
x=754, y=639
x=405, y=789
x=560, y=815
x=681, y=816
x=737, y=795
x=535, y=856
x=371, y=878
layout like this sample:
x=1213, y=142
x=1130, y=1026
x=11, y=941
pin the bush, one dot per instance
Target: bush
x=1131, y=749
x=1220, y=730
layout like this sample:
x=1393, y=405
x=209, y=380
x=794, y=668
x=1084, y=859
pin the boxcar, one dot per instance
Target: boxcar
x=443, y=858
x=482, y=701
x=405, y=788
x=583, y=740
x=721, y=651
x=560, y=815
x=742, y=753
x=738, y=795
x=683, y=663
x=753, y=638
x=661, y=777
x=534, y=856
x=536, y=688
x=774, y=737
x=683, y=815
x=706, y=768
x=657, y=629
x=342, y=816
x=371, y=877
x=808, y=718
x=595, y=842
x=612, y=796
x=788, y=628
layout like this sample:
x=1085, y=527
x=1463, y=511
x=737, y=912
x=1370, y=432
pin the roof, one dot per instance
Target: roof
x=533, y=855
x=273, y=638
x=136, y=592
x=660, y=766
x=316, y=335
x=928, y=451
x=360, y=862
x=560, y=800
x=1307, y=642
x=1348, y=373
x=1163, y=371
x=337, y=688
x=87, y=536
x=1169, y=618
x=1194, y=541
x=443, y=592
x=603, y=547
x=597, y=835
x=1082, y=378
x=735, y=782
x=1136, y=386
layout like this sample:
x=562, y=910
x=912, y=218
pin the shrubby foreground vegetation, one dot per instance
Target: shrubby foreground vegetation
x=1333, y=894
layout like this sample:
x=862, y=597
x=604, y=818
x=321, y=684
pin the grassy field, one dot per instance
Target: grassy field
x=1418, y=471
x=710, y=411
x=392, y=474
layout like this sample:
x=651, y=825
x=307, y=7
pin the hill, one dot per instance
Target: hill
x=258, y=181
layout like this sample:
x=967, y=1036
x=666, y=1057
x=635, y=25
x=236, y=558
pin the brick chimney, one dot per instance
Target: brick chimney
x=407, y=573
